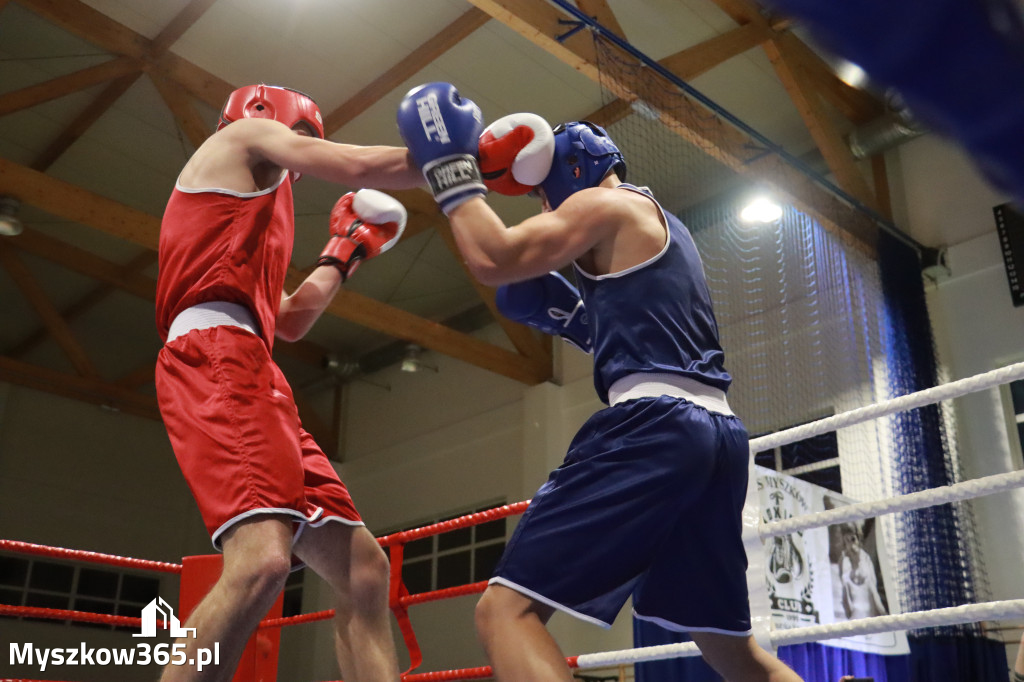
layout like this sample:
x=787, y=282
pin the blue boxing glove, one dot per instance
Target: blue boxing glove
x=548, y=303
x=442, y=130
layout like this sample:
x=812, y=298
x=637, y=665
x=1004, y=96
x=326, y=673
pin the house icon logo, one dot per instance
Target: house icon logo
x=149, y=620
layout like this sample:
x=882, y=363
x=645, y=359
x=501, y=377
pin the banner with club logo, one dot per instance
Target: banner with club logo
x=824, y=575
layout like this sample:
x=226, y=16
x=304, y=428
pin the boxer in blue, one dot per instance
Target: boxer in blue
x=648, y=500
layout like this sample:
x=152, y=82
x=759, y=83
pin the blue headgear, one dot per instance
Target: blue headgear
x=583, y=156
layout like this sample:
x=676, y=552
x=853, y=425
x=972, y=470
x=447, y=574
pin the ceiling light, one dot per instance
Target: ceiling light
x=851, y=74
x=413, y=360
x=9, y=223
x=761, y=210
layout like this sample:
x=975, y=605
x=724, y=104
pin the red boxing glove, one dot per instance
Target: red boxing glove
x=364, y=224
x=516, y=152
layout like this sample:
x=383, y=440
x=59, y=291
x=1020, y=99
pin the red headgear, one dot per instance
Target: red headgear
x=275, y=102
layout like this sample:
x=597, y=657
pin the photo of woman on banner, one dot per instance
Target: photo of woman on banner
x=858, y=576
x=856, y=589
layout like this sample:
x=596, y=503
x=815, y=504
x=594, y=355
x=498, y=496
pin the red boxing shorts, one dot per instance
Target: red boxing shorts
x=235, y=430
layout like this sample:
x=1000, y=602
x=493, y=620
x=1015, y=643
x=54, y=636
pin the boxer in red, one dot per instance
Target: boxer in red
x=267, y=493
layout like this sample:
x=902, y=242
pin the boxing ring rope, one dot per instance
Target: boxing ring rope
x=958, y=492
x=910, y=401
x=400, y=600
x=91, y=557
x=954, y=615
x=65, y=614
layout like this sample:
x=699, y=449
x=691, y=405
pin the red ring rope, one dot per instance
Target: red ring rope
x=64, y=614
x=297, y=620
x=93, y=557
x=446, y=593
x=453, y=524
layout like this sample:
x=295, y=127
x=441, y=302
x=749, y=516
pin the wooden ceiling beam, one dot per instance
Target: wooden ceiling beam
x=127, y=278
x=92, y=298
x=79, y=388
x=81, y=20
x=78, y=205
x=859, y=106
x=450, y=36
x=185, y=115
x=47, y=312
x=65, y=85
x=400, y=324
x=856, y=105
x=424, y=213
x=610, y=113
x=84, y=121
x=829, y=140
x=155, y=49
x=178, y=26
x=539, y=22
x=603, y=14
x=694, y=61
x=701, y=58
x=201, y=84
x=89, y=24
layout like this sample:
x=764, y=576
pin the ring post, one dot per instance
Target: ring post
x=259, y=659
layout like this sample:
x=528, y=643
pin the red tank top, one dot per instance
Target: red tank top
x=217, y=245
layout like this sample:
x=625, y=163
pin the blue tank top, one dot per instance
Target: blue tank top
x=655, y=316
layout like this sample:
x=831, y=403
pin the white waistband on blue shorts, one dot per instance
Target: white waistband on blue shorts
x=653, y=384
x=212, y=314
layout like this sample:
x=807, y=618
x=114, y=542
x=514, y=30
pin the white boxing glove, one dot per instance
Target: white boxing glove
x=363, y=225
x=516, y=152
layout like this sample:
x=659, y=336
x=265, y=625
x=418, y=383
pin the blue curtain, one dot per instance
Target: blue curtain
x=931, y=659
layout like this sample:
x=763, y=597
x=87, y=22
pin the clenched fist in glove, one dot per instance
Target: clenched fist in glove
x=364, y=224
x=441, y=129
x=548, y=303
x=516, y=152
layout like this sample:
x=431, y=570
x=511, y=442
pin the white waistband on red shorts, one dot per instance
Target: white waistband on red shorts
x=212, y=314
x=653, y=384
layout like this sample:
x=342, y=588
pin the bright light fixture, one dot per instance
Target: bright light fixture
x=761, y=210
x=851, y=74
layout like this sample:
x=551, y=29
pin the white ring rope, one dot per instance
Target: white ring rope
x=954, y=615
x=954, y=389
x=951, y=615
x=957, y=492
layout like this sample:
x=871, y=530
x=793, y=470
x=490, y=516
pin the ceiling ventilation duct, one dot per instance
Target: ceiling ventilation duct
x=890, y=130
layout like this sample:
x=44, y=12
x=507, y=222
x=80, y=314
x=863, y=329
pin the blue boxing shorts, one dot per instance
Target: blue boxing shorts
x=647, y=503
